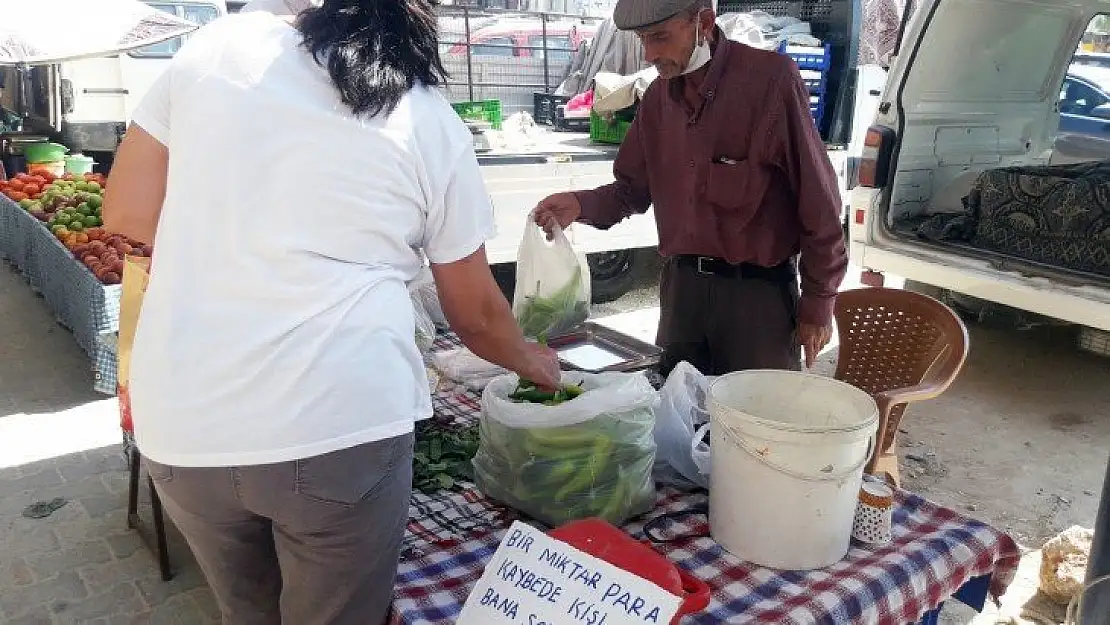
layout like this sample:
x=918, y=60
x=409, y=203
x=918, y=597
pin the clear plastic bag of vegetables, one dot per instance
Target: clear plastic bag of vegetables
x=587, y=453
x=425, y=328
x=552, y=294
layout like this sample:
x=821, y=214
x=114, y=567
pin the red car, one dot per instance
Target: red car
x=525, y=38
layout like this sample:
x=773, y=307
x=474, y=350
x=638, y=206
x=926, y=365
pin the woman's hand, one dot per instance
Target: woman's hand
x=480, y=315
x=543, y=368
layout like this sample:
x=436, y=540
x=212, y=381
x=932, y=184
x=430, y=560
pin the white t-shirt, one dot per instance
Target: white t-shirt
x=277, y=324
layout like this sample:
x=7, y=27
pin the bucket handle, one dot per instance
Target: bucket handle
x=824, y=477
x=699, y=455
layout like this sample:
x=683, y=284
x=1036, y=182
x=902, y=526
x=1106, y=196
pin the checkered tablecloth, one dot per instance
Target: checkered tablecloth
x=78, y=300
x=451, y=535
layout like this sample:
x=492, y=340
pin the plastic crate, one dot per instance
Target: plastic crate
x=813, y=65
x=480, y=110
x=809, y=57
x=602, y=131
x=545, y=106
x=814, y=80
x=548, y=110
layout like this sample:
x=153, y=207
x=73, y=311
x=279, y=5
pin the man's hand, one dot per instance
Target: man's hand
x=813, y=339
x=561, y=208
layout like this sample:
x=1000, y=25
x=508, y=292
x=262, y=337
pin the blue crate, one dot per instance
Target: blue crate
x=813, y=65
x=809, y=57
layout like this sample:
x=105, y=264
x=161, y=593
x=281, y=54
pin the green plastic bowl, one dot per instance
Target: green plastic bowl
x=44, y=152
x=79, y=164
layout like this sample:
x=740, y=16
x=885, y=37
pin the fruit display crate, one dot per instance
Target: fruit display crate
x=480, y=110
x=79, y=301
x=602, y=131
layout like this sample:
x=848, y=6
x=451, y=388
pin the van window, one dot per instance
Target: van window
x=196, y=13
x=1010, y=57
x=1084, y=105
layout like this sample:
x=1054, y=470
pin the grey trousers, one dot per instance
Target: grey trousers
x=308, y=542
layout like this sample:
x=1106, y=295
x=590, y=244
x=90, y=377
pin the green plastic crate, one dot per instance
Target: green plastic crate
x=602, y=131
x=481, y=111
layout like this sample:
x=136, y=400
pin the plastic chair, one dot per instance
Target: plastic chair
x=900, y=347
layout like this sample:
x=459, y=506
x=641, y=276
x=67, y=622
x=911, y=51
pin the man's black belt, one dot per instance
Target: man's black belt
x=712, y=266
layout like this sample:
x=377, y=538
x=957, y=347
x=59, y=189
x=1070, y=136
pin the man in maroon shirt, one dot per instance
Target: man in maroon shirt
x=724, y=147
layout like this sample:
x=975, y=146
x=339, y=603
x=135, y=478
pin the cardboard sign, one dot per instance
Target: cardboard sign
x=534, y=579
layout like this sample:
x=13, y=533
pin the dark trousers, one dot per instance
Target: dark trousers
x=726, y=323
x=307, y=542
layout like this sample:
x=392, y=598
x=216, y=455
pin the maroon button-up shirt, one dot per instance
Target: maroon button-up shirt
x=743, y=176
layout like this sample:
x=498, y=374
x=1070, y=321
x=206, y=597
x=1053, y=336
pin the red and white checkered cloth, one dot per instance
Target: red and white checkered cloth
x=935, y=551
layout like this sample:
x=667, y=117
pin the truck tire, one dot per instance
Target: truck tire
x=505, y=275
x=612, y=274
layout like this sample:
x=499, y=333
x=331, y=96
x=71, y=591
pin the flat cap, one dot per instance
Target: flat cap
x=633, y=14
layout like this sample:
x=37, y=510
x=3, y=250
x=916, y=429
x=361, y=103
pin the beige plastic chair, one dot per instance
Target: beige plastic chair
x=900, y=347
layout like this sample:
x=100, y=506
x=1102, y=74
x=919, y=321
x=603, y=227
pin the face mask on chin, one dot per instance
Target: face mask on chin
x=701, y=54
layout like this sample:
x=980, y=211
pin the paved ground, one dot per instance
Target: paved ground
x=1020, y=442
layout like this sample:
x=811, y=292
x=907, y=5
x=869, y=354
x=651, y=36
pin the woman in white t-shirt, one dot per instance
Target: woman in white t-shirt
x=289, y=172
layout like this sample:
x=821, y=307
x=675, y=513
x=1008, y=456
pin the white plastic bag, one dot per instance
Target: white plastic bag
x=423, y=290
x=462, y=366
x=552, y=293
x=425, y=329
x=591, y=456
x=681, y=423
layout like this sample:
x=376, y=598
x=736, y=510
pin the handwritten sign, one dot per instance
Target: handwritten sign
x=534, y=579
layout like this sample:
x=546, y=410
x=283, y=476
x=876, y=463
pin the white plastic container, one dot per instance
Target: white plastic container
x=788, y=451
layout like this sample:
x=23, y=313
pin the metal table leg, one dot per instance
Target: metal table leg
x=1096, y=604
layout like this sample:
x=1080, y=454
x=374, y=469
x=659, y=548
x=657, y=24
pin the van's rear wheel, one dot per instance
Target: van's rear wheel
x=611, y=274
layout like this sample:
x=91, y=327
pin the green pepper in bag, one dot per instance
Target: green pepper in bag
x=590, y=456
x=552, y=293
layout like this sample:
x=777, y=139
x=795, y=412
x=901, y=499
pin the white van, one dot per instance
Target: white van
x=92, y=99
x=977, y=87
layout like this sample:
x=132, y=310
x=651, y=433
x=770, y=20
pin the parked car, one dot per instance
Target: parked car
x=1085, y=101
x=525, y=38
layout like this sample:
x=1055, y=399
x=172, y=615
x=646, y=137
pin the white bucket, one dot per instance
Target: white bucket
x=788, y=451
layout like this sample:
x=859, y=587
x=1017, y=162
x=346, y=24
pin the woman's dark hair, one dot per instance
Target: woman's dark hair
x=374, y=50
